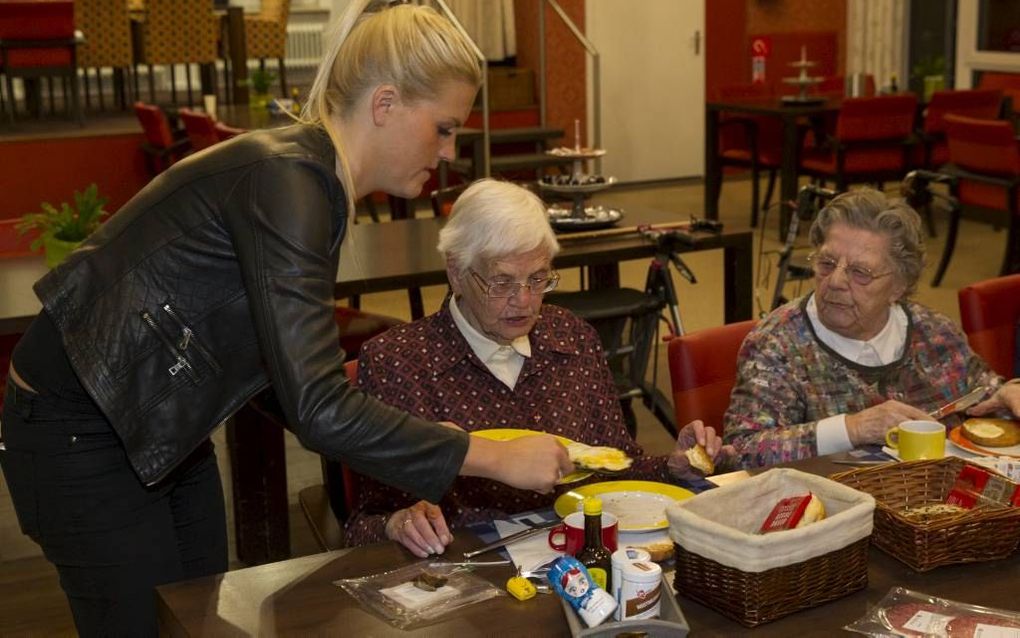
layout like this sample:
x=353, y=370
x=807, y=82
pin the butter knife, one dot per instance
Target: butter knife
x=971, y=398
x=513, y=538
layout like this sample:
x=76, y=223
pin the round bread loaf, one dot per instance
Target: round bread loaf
x=992, y=432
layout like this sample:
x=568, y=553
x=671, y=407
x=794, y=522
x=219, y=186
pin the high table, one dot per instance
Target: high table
x=375, y=258
x=788, y=114
x=297, y=597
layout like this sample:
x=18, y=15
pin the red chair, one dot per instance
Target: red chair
x=871, y=143
x=162, y=146
x=984, y=157
x=990, y=314
x=985, y=104
x=37, y=40
x=702, y=370
x=1008, y=83
x=749, y=141
x=203, y=131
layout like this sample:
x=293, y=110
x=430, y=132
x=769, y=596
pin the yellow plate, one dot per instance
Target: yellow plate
x=508, y=434
x=640, y=506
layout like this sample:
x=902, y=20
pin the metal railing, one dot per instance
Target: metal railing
x=596, y=79
x=487, y=153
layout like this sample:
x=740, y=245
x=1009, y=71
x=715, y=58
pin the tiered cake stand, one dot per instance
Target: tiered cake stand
x=803, y=81
x=579, y=185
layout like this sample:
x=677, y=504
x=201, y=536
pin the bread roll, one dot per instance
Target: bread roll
x=700, y=460
x=992, y=432
x=815, y=511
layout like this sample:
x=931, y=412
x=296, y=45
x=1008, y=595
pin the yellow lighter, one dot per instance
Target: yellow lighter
x=520, y=587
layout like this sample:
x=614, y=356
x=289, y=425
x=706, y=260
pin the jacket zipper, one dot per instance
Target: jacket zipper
x=186, y=340
x=182, y=363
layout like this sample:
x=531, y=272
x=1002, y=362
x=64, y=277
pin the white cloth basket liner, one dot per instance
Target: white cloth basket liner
x=721, y=524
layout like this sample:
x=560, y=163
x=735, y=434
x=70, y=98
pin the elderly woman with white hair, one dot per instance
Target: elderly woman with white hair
x=495, y=357
x=839, y=367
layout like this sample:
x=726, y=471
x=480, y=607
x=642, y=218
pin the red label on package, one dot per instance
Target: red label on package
x=976, y=486
x=786, y=514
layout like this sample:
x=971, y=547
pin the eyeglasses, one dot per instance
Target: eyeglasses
x=507, y=289
x=824, y=266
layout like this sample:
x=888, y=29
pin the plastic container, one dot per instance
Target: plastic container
x=622, y=557
x=670, y=623
x=641, y=591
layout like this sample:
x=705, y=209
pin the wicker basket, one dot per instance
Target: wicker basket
x=971, y=536
x=723, y=563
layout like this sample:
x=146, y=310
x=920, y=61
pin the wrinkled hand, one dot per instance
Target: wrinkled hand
x=693, y=433
x=1007, y=397
x=420, y=528
x=870, y=425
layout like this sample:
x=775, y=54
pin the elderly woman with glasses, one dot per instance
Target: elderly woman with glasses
x=495, y=357
x=839, y=367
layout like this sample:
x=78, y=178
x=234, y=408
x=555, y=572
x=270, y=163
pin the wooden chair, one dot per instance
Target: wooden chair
x=38, y=40
x=984, y=157
x=178, y=32
x=702, y=371
x=871, y=143
x=203, y=131
x=162, y=146
x=749, y=141
x=990, y=315
x=107, y=28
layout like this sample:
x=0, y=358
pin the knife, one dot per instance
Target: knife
x=971, y=398
x=513, y=538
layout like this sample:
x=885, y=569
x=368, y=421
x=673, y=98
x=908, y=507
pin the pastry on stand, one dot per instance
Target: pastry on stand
x=579, y=185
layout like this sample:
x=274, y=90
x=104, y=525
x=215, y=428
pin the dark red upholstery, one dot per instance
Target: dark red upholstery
x=985, y=157
x=7, y=343
x=37, y=39
x=203, y=130
x=870, y=144
x=985, y=104
x=162, y=145
x=990, y=314
x=702, y=370
x=749, y=141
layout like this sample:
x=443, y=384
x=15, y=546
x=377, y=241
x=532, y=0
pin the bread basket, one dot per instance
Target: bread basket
x=722, y=562
x=974, y=535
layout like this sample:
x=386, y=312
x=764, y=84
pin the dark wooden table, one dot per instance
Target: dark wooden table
x=297, y=597
x=788, y=114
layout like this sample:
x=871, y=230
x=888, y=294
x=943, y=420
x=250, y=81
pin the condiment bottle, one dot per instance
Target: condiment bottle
x=594, y=555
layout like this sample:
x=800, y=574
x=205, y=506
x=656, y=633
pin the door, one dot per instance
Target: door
x=652, y=84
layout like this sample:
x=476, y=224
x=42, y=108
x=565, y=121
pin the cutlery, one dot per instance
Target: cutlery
x=470, y=563
x=513, y=538
x=964, y=402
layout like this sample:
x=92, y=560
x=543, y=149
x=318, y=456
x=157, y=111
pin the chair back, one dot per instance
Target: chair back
x=990, y=315
x=154, y=125
x=179, y=32
x=26, y=30
x=702, y=371
x=266, y=32
x=885, y=117
x=983, y=146
x=201, y=128
x=984, y=104
x=107, y=28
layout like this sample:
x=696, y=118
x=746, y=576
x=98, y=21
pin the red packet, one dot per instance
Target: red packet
x=976, y=486
x=786, y=514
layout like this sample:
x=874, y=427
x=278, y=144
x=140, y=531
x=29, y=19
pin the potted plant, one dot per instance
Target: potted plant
x=62, y=229
x=929, y=73
x=260, y=80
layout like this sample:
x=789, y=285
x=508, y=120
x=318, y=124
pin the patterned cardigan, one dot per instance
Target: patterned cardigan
x=787, y=380
x=565, y=388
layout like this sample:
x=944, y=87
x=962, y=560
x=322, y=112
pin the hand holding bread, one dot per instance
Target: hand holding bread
x=698, y=451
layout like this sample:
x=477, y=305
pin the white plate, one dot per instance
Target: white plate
x=640, y=506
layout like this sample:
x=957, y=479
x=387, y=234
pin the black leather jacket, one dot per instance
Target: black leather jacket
x=215, y=280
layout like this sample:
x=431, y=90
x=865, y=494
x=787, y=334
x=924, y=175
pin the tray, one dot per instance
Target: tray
x=671, y=621
x=596, y=217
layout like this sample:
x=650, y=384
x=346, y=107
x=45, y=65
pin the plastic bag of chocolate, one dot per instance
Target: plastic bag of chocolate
x=903, y=612
x=418, y=594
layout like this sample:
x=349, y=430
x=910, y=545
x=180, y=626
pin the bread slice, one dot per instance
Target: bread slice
x=992, y=432
x=700, y=460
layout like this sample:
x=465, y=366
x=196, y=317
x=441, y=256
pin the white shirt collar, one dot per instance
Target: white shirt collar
x=882, y=349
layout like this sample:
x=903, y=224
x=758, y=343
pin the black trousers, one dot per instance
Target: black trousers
x=111, y=538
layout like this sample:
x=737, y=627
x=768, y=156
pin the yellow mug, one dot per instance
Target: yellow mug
x=915, y=440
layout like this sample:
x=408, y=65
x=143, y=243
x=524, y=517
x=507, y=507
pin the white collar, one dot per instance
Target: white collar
x=484, y=347
x=882, y=349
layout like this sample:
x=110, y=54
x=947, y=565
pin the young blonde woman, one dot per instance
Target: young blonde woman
x=214, y=282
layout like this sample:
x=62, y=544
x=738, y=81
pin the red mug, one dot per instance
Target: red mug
x=568, y=536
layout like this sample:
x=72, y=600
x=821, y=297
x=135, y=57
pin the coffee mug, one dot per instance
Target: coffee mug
x=915, y=440
x=568, y=536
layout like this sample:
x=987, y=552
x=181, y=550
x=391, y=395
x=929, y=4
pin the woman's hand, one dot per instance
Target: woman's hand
x=1007, y=397
x=528, y=463
x=693, y=433
x=420, y=528
x=870, y=425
